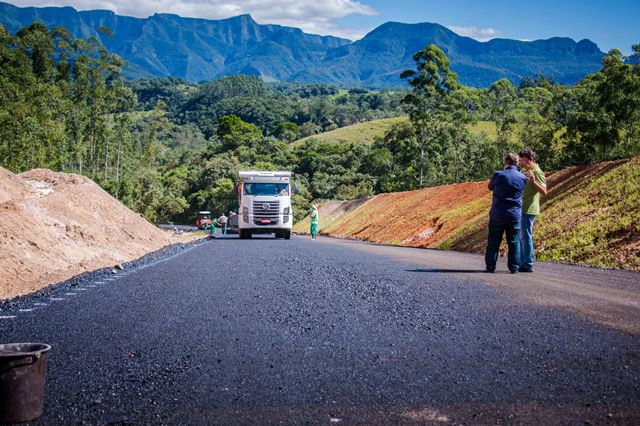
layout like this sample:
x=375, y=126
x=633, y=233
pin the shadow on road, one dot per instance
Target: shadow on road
x=236, y=237
x=454, y=271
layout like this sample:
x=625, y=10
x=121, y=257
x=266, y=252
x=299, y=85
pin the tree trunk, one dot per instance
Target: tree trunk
x=92, y=156
x=422, y=166
x=106, y=160
x=118, y=167
x=421, y=136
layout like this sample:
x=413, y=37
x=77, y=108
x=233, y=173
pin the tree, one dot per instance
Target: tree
x=234, y=133
x=502, y=104
x=605, y=121
x=537, y=129
x=440, y=110
x=402, y=146
x=287, y=131
x=427, y=104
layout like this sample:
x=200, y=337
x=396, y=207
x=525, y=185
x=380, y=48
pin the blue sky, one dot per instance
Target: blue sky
x=614, y=23
x=611, y=24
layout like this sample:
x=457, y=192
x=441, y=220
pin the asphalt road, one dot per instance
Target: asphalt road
x=269, y=331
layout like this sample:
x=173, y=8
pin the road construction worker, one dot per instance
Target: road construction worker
x=222, y=220
x=212, y=228
x=314, y=222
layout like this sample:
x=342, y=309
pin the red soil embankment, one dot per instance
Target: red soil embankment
x=56, y=225
x=417, y=218
x=590, y=215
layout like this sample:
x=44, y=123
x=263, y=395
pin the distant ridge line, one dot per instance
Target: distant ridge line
x=198, y=49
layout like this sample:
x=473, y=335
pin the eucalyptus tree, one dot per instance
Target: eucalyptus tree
x=426, y=105
x=440, y=109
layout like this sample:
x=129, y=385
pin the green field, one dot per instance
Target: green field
x=365, y=132
x=368, y=131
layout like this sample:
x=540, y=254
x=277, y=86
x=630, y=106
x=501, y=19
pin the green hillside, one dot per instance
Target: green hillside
x=365, y=132
x=368, y=131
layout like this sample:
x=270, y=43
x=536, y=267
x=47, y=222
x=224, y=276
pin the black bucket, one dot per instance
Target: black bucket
x=22, y=371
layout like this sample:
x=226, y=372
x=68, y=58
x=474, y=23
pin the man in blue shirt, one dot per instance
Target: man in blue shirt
x=506, y=210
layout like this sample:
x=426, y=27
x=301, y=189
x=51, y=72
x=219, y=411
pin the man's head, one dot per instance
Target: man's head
x=511, y=159
x=527, y=157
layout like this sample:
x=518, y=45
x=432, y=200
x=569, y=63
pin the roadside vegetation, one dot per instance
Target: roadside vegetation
x=168, y=148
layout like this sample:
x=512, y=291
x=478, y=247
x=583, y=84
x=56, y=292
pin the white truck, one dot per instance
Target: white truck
x=264, y=200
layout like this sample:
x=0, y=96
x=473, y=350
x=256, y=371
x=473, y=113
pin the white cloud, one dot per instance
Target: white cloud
x=480, y=34
x=312, y=16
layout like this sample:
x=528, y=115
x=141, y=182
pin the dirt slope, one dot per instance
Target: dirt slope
x=56, y=225
x=591, y=215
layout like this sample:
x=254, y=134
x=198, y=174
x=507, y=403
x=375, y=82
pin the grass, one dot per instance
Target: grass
x=596, y=222
x=369, y=131
x=365, y=132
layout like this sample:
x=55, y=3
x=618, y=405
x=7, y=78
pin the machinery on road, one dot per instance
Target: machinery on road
x=264, y=199
x=204, y=219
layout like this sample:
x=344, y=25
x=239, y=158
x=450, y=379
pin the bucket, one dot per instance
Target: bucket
x=22, y=370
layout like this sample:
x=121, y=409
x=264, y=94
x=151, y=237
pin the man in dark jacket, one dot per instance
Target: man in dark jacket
x=506, y=210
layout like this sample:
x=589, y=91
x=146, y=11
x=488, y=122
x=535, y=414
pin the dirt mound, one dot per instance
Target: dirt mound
x=56, y=225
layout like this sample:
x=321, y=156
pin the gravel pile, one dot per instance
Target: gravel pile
x=57, y=225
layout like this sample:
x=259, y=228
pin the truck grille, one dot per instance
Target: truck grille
x=266, y=212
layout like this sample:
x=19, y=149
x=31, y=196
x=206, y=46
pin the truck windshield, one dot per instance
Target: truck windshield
x=270, y=189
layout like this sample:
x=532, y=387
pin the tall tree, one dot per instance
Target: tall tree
x=432, y=82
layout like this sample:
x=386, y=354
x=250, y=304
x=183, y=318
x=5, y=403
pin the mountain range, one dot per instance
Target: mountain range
x=203, y=49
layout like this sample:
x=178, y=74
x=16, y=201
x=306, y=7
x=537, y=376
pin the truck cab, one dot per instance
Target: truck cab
x=264, y=199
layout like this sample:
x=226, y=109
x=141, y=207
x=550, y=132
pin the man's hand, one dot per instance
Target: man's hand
x=542, y=189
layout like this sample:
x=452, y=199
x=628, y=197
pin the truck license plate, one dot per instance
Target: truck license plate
x=265, y=221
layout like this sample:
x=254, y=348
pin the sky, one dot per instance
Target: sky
x=610, y=24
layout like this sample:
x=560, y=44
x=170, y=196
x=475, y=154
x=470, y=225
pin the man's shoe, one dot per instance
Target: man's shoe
x=490, y=270
x=526, y=269
x=514, y=271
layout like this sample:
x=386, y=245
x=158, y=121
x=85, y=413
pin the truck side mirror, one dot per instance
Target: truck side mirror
x=296, y=188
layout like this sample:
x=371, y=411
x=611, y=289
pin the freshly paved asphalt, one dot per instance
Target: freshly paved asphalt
x=269, y=331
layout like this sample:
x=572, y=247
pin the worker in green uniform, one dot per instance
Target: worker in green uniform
x=314, y=222
x=212, y=228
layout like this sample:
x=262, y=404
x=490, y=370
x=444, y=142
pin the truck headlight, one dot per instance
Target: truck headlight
x=285, y=215
x=245, y=214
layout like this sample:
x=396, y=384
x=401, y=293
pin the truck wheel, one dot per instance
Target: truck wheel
x=279, y=234
x=244, y=234
x=287, y=234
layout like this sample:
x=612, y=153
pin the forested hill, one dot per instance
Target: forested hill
x=199, y=49
x=194, y=49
